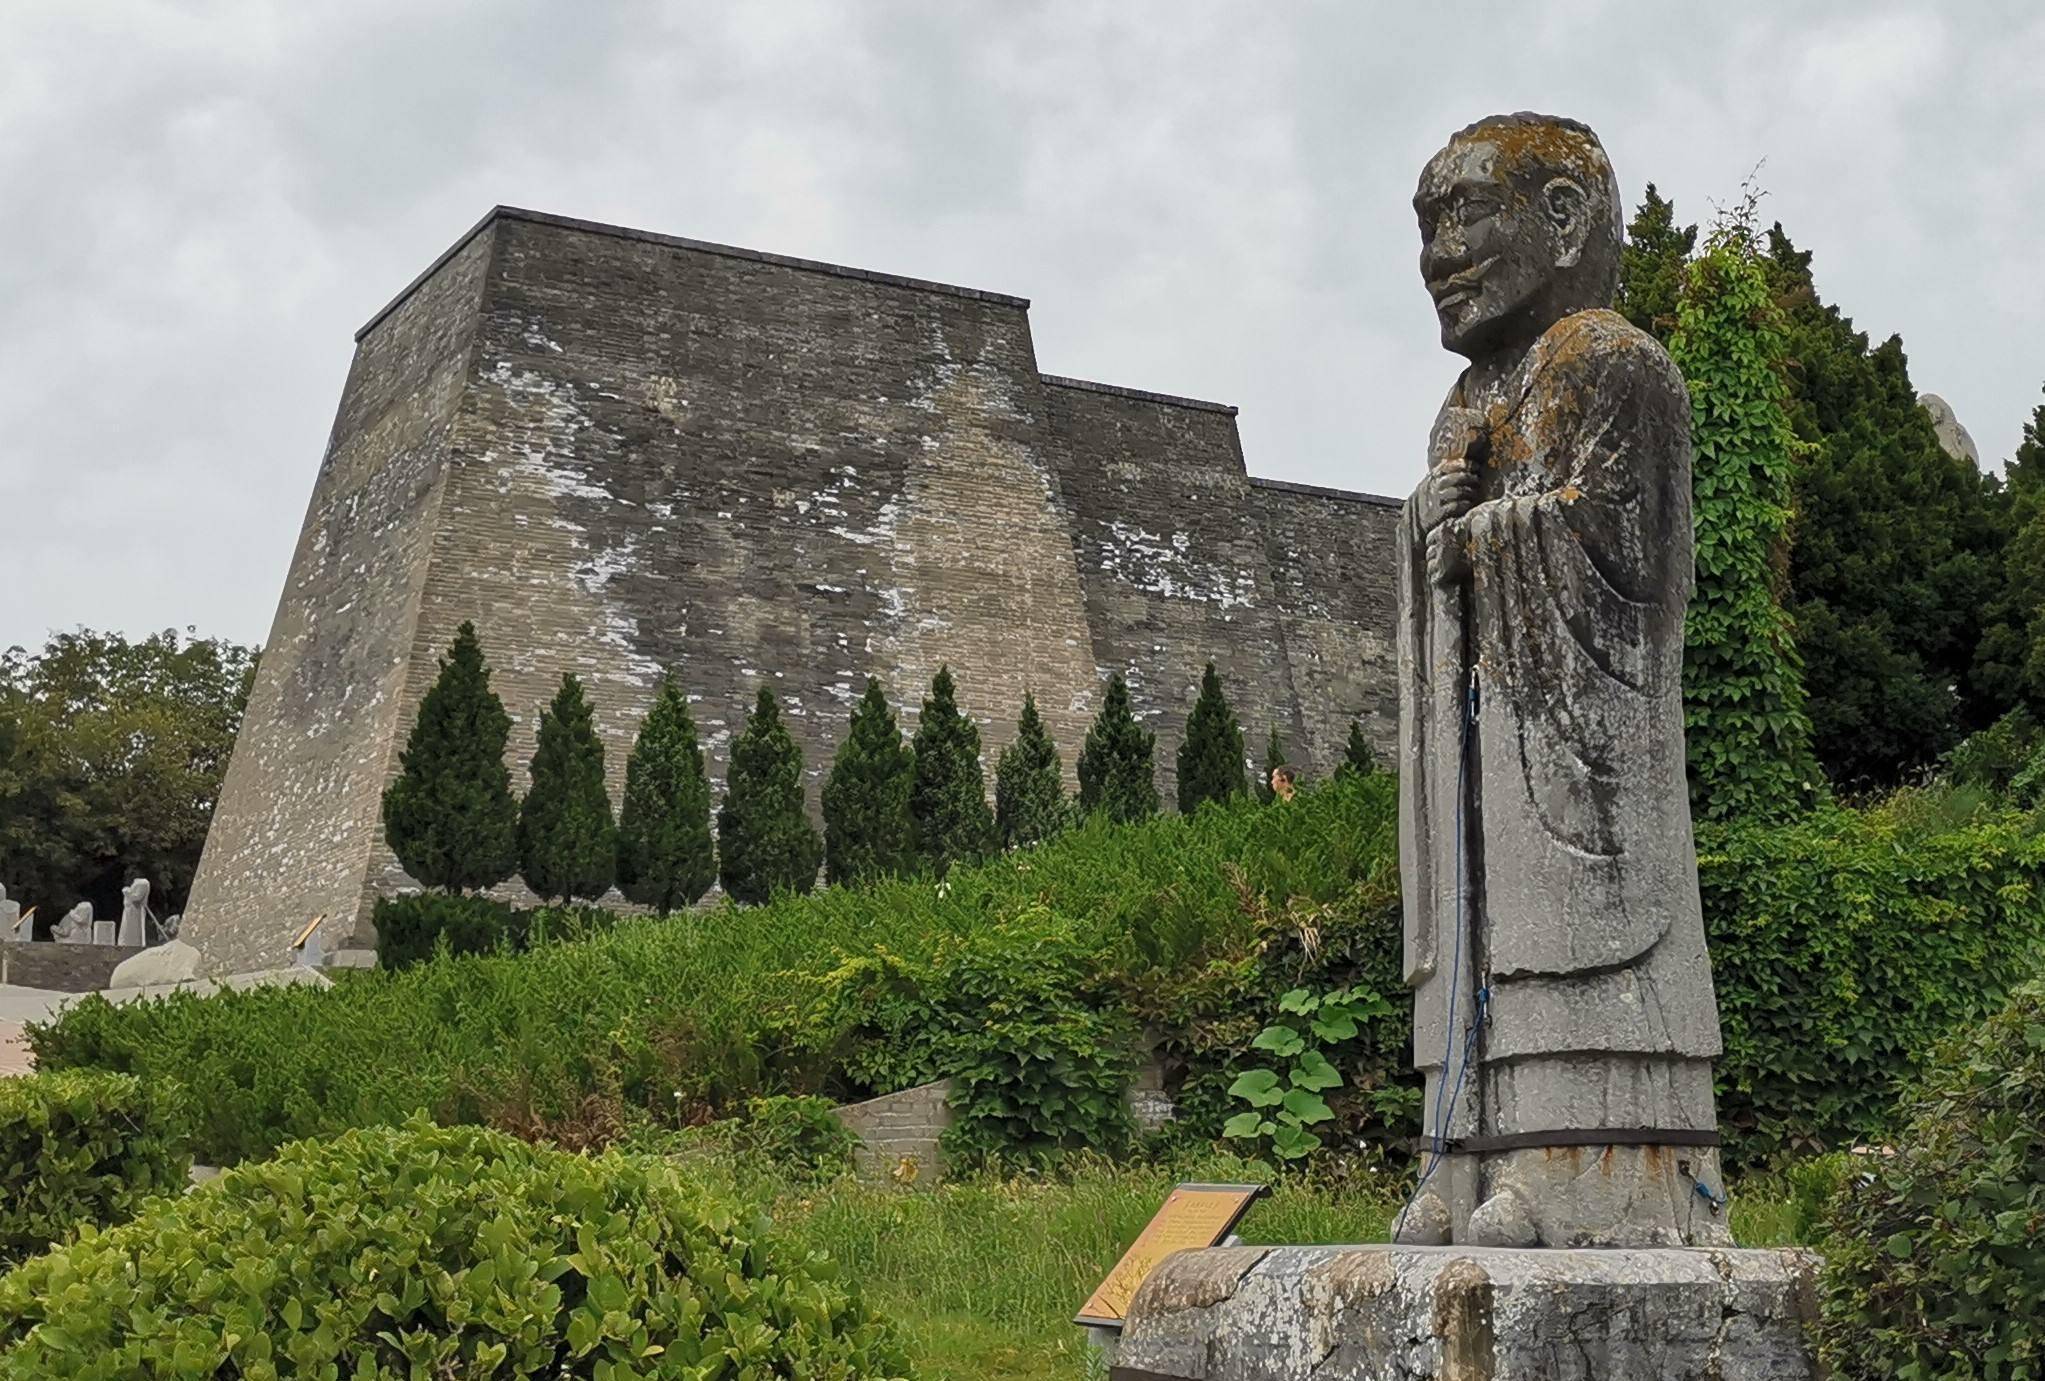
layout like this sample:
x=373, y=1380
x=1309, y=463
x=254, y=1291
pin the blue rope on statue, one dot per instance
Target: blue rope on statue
x=1438, y=1141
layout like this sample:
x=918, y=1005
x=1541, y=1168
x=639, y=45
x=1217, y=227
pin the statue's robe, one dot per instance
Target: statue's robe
x=1581, y=921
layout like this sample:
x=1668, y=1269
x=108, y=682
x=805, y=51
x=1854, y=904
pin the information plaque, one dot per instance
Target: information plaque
x=1192, y=1216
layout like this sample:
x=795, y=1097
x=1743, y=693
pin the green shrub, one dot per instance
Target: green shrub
x=409, y=929
x=1994, y=757
x=1844, y=948
x=423, y=1252
x=1937, y=1270
x=800, y=1135
x=79, y=1147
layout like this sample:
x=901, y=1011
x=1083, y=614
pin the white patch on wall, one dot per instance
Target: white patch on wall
x=1164, y=565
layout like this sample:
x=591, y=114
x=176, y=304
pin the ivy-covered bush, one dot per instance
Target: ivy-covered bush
x=1844, y=947
x=799, y=1134
x=423, y=1251
x=80, y=1147
x=1020, y=1017
x=1937, y=1269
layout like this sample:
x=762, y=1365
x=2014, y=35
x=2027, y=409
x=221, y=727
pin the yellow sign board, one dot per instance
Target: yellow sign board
x=1192, y=1216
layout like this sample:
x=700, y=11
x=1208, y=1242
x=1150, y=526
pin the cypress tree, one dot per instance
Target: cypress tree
x=1211, y=758
x=1749, y=736
x=567, y=840
x=1653, y=264
x=450, y=816
x=765, y=842
x=1359, y=759
x=1274, y=758
x=665, y=856
x=1116, y=775
x=949, y=799
x=868, y=831
x=1894, y=562
x=1029, y=794
x=2010, y=663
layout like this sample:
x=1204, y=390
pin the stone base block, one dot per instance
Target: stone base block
x=1388, y=1313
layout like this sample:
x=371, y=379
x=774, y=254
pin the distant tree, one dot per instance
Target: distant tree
x=450, y=816
x=868, y=831
x=1653, y=264
x=1894, y=559
x=1211, y=757
x=567, y=839
x=765, y=842
x=1029, y=791
x=665, y=856
x=1116, y=774
x=1274, y=758
x=949, y=799
x=1359, y=759
x=2010, y=662
x=1748, y=733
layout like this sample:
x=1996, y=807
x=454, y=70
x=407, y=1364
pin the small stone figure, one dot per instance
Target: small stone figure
x=10, y=918
x=1564, y=1017
x=168, y=930
x=134, y=929
x=75, y=927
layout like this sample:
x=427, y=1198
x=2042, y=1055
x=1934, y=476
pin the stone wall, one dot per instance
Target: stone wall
x=61, y=968
x=899, y=1133
x=620, y=453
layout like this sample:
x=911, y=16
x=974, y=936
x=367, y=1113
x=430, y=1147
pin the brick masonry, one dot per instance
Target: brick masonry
x=620, y=452
x=899, y=1133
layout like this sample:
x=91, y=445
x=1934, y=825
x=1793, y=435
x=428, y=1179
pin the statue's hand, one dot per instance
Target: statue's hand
x=1448, y=553
x=1453, y=454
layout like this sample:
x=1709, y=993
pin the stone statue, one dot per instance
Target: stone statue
x=1564, y=1018
x=10, y=918
x=75, y=926
x=1953, y=437
x=134, y=914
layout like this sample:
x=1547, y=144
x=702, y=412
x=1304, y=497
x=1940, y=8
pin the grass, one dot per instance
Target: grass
x=983, y=1275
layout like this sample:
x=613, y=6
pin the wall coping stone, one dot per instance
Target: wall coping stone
x=519, y=213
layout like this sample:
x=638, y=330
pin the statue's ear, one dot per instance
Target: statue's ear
x=1568, y=211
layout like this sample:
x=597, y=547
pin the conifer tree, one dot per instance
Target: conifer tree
x=765, y=842
x=665, y=856
x=450, y=816
x=1653, y=264
x=868, y=832
x=1274, y=758
x=1359, y=759
x=1116, y=774
x=1211, y=757
x=949, y=799
x=1029, y=794
x=567, y=839
x=2010, y=662
x=1748, y=733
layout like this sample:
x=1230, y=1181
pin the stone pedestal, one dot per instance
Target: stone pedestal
x=1391, y=1313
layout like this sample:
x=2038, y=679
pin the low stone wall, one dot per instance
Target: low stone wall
x=61, y=968
x=898, y=1133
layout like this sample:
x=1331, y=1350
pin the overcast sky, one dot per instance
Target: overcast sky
x=200, y=203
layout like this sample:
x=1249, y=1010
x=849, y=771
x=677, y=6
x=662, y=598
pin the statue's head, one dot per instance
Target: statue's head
x=1520, y=226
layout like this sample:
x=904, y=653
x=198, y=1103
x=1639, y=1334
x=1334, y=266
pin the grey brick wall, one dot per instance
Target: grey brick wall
x=899, y=1133
x=61, y=968
x=620, y=453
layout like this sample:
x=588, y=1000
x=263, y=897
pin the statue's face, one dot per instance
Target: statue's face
x=1489, y=248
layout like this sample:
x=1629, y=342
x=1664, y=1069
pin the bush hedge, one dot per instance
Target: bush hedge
x=411, y=929
x=79, y=1147
x=1843, y=946
x=1937, y=1270
x=424, y=1251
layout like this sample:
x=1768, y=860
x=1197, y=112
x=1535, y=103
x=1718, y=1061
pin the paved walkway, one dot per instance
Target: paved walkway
x=18, y=1005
